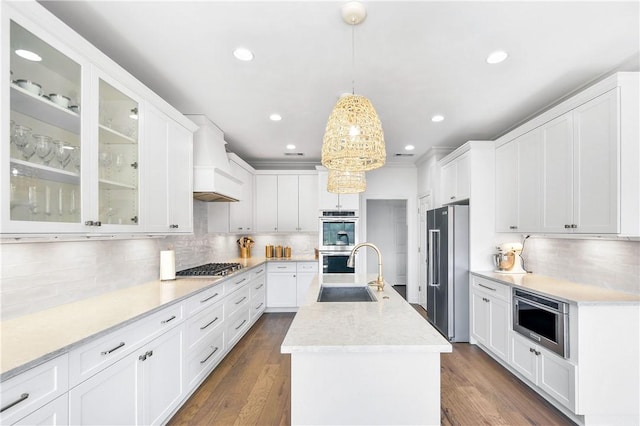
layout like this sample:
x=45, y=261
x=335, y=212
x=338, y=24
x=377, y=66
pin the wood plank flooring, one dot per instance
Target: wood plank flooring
x=251, y=386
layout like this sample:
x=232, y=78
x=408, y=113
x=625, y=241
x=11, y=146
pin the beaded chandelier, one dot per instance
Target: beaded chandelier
x=346, y=182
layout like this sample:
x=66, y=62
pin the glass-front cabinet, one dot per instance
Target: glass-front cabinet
x=117, y=156
x=44, y=142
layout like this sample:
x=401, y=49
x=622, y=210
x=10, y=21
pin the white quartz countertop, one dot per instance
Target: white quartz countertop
x=35, y=338
x=388, y=325
x=567, y=291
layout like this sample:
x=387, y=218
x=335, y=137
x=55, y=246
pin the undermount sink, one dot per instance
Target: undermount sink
x=345, y=294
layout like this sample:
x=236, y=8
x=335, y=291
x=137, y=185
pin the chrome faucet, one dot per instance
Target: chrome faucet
x=379, y=282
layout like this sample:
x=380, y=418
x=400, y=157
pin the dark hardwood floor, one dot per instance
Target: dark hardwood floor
x=251, y=386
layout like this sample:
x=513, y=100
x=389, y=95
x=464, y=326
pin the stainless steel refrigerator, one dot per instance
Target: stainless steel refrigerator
x=448, y=271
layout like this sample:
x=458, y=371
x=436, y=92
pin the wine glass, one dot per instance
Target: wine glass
x=62, y=153
x=75, y=158
x=20, y=135
x=105, y=161
x=28, y=150
x=44, y=148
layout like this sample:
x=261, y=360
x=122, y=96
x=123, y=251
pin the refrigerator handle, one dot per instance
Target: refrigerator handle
x=433, y=279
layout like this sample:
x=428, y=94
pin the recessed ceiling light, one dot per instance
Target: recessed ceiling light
x=437, y=118
x=243, y=54
x=291, y=146
x=497, y=57
x=275, y=117
x=28, y=55
x=409, y=147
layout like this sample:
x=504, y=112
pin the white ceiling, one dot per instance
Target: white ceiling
x=413, y=59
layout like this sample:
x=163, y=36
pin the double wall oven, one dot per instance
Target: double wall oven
x=338, y=235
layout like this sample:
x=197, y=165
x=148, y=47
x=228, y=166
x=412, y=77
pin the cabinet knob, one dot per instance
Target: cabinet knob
x=97, y=223
x=452, y=197
x=574, y=226
x=513, y=227
x=567, y=226
x=90, y=223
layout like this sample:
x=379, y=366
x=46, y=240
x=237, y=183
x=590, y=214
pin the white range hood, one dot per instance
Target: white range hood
x=212, y=178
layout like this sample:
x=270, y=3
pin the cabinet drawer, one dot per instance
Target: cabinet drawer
x=205, y=298
x=55, y=413
x=236, y=326
x=307, y=267
x=491, y=287
x=260, y=270
x=236, y=301
x=281, y=267
x=258, y=286
x=257, y=305
x=25, y=393
x=235, y=283
x=204, y=323
x=205, y=355
x=89, y=359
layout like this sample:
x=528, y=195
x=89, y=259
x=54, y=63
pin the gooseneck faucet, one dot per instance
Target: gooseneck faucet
x=379, y=282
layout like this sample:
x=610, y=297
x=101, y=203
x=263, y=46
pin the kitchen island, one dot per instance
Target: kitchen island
x=363, y=362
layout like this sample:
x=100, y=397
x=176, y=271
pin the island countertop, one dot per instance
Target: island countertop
x=388, y=325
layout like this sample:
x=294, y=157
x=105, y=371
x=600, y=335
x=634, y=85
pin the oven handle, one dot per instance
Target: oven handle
x=538, y=305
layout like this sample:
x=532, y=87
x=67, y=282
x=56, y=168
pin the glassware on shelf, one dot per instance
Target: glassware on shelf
x=44, y=148
x=20, y=135
x=62, y=152
x=60, y=202
x=119, y=162
x=106, y=159
x=47, y=200
x=72, y=202
x=28, y=150
x=33, y=199
x=75, y=158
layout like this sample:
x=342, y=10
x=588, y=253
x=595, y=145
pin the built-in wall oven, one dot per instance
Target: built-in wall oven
x=542, y=319
x=338, y=236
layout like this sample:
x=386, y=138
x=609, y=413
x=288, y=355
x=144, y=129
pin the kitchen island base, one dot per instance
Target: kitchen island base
x=365, y=388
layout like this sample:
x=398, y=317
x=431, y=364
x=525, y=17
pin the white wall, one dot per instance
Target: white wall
x=37, y=276
x=397, y=183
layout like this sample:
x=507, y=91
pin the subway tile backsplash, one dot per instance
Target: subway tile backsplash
x=37, y=276
x=612, y=264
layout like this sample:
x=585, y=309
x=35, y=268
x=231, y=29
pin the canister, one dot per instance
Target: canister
x=287, y=252
x=268, y=251
x=278, y=252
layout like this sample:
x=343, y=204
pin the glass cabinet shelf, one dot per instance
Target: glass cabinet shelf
x=28, y=103
x=110, y=184
x=26, y=168
x=111, y=137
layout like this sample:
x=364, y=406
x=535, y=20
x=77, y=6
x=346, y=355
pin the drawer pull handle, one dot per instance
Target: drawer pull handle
x=487, y=287
x=259, y=306
x=111, y=350
x=241, y=300
x=209, y=298
x=241, y=281
x=241, y=324
x=16, y=402
x=209, y=356
x=260, y=286
x=207, y=325
x=167, y=320
x=260, y=271
x=281, y=267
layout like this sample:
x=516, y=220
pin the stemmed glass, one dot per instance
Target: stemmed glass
x=75, y=158
x=62, y=153
x=20, y=135
x=105, y=161
x=28, y=150
x=44, y=148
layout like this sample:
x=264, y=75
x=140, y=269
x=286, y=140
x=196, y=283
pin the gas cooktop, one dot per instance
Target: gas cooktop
x=210, y=269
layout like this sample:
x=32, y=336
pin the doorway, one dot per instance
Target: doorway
x=387, y=229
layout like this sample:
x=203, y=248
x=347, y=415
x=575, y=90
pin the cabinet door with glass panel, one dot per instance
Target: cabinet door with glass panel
x=118, y=157
x=41, y=158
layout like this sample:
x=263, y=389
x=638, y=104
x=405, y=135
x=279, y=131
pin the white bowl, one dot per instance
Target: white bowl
x=61, y=100
x=30, y=86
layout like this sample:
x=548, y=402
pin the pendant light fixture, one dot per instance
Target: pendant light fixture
x=346, y=182
x=353, y=139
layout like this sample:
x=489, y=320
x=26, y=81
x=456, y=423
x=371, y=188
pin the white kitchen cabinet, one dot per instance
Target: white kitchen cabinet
x=169, y=176
x=55, y=413
x=455, y=185
x=281, y=285
x=305, y=273
x=86, y=175
x=286, y=203
x=266, y=203
x=330, y=201
x=553, y=374
x=27, y=392
x=241, y=212
x=518, y=183
x=258, y=293
x=142, y=388
x=490, y=309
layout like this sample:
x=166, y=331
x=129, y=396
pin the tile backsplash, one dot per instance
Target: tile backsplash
x=612, y=264
x=37, y=276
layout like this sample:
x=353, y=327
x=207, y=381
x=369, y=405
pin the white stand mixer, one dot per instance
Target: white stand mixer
x=508, y=259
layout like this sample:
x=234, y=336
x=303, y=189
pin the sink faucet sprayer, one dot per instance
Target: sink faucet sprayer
x=379, y=282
